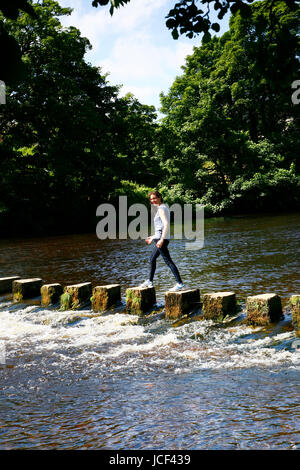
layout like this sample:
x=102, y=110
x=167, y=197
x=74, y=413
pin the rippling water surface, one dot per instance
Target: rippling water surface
x=77, y=380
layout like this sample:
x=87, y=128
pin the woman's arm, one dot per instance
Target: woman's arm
x=150, y=239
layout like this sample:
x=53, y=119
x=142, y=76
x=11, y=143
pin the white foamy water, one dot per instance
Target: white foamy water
x=125, y=342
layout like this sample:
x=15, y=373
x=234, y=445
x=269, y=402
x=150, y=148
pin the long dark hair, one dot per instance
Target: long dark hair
x=155, y=193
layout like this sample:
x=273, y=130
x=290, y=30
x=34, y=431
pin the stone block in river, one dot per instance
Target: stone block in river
x=105, y=297
x=50, y=294
x=218, y=305
x=263, y=309
x=6, y=283
x=74, y=296
x=139, y=300
x=181, y=302
x=26, y=288
x=294, y=303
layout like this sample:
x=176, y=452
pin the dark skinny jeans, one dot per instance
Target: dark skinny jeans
x=164, y=252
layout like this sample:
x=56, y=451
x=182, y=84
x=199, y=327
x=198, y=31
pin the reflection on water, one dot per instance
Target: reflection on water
x=75, y=380
x=248, y=255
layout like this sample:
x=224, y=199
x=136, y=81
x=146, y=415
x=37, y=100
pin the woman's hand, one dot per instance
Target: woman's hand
x=149, y=240
x=159, y=244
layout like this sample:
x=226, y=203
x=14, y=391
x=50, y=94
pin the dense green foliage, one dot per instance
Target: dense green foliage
x=233, y=129
x=229, y=138
x=67, y=139
x=11, y=64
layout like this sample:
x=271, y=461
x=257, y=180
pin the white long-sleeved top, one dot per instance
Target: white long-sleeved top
x=162, y=223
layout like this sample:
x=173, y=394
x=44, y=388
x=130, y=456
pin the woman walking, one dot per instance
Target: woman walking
x=162, y=240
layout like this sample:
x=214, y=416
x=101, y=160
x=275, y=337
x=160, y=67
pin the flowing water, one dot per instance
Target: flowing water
x=79, y=380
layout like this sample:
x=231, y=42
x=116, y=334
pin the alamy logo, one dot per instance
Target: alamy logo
x=296, y=94
x=2, y=92
x=188, y=222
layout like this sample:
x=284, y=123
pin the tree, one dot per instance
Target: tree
x=135, y=132
x=187, y=17
x=231, y=117
x=12, y=67
x=65, y=132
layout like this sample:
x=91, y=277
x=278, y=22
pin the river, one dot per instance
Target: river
x=77, y=380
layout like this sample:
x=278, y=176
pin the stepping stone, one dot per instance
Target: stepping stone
x=140, y=300
x=105, y=297
x=50, y=294
x=6, y=283
x=263, y=309
x=218, y=305
x=74, y=296
x=26, y=288
x=294, y=303
x=180, y=303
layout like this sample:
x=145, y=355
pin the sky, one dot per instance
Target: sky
x=134, y=46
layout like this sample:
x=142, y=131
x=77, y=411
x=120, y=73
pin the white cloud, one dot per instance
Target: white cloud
x=136, y=14
x=133, y=46
x=93, y=25
x=96, y=23
x=141, y=64
x=137, y=59
x=144, y=94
